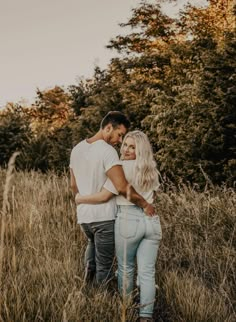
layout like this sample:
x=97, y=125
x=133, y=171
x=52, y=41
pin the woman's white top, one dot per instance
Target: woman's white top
x=129, y=168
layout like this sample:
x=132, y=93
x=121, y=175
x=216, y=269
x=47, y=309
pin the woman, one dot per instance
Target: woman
x=136, y=234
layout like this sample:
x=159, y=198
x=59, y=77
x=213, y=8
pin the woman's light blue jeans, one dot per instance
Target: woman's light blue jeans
x=137, y=235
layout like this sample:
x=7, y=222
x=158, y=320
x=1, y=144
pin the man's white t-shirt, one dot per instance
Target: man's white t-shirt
x=129, y=170
x=90, y=162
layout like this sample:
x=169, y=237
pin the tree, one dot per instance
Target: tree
x=167, y=62
x=15, y=132
x=194, y=125
x=51, y=110
x=50, y=120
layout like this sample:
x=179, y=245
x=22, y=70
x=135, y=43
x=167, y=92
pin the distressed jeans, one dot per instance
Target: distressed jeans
x=137, y=236
x=99, y=254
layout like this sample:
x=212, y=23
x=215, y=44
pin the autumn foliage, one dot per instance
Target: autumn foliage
x=173, y=77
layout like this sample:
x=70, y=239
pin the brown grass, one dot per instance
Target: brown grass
x=42, y=262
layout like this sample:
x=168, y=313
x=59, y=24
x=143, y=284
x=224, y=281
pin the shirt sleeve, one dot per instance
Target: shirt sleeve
x=156, y=188
x=110, y=159
x=108, y=185
x=128, y=167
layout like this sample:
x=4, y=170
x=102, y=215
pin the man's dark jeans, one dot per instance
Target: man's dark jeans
x=100, y=250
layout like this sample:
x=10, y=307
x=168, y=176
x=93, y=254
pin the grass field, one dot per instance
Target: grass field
x=41, y=255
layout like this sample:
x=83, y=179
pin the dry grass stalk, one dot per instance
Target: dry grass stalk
x=42, y=263
x=6, y=207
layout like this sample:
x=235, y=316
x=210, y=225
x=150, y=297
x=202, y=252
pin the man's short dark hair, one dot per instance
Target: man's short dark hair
x=115, y=118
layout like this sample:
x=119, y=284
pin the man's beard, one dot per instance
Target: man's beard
x=109, y=140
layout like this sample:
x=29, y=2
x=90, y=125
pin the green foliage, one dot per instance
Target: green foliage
x=175, y=80
x=218, y=91
x=15, y=133
x=195, y=129
x=93, y=99
x=51, y=118
x=36, y=155
x=60, y=148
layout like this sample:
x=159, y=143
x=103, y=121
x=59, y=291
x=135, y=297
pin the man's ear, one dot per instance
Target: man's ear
x=108, y=128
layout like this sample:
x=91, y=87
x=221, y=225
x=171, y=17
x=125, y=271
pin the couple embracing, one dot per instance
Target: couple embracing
x=114, y=199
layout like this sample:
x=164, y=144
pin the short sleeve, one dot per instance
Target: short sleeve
x=129, y=167
x=110, y=187
x=110, y=159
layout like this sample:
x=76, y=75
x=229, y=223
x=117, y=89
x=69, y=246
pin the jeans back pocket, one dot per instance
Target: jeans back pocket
x=127, y=227
x=154, y=231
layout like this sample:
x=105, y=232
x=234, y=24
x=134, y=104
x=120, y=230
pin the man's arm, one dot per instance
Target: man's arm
x=100, y=197
x=117, y=176
x=73, y=184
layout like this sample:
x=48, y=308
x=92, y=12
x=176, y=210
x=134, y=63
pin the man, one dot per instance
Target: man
x=91, y=162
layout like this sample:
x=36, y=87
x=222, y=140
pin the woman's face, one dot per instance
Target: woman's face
x=128, y=150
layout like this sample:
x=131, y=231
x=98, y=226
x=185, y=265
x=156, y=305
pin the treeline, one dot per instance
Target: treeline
x=174, y=78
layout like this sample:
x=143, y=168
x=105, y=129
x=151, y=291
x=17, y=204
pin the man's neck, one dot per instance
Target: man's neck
x=96, y=137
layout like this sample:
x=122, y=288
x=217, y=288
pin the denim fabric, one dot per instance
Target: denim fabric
x=99, y=254
x=137, y=235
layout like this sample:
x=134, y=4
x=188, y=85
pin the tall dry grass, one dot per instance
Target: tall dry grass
x=42, y=256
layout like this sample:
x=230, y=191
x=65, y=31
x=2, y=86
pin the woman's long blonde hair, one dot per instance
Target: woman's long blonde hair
x=145, y=174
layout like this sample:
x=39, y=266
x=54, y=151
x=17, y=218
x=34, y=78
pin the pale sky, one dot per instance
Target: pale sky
x=44, y=43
